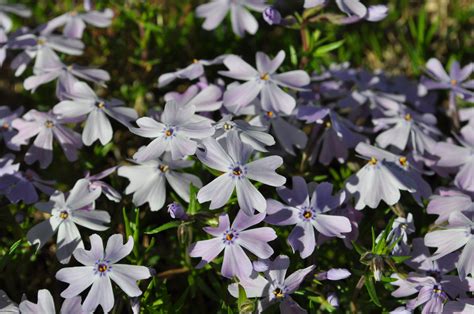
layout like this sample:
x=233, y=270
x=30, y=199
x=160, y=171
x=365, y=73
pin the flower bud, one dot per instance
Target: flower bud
x=176, y=211
x=272, y=16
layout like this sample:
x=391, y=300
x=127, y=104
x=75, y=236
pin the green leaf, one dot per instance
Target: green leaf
x=400, y=259
x=136, y=232
x=242, y=297
x=369, y=284
x=166, y=226
x=320, y=178
x=381, y=247
x=322, y=50
x=194, y=205
x=12, y=249
x=373, y=238
x=293, y=56
x=126, y=222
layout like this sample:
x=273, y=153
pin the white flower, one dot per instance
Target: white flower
x=100, y=267
x=78, y=209
x=45, y=304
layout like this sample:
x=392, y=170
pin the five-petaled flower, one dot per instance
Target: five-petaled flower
x=100, y=268
x=231, y=157
x=232, y=239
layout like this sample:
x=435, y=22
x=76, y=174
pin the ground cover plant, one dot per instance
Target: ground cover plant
x=236, y=156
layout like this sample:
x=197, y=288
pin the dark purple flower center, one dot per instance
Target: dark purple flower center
x=237, y=171
x=102, y=267
x=49, y=124
x=279, y=293
x=438, y=291
x=63, y=215
x=169, y=132
x=307, y=213
x=229, y=236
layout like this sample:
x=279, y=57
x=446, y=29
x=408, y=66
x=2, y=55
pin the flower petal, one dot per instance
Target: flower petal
x=255, y=241
x=217, y=191
x=263, y=170
x=116, y=250
x=126, y=276
x=249, y=197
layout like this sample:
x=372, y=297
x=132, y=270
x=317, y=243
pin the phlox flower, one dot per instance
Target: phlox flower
x=406, y=127
x=232, y=239
x=457, y=82
x=44, y=126
x=231, y=157
x=449, y=201
x=357, y=11
x=263, y=81
x=274, y=286
x=84, y=102
x=431, y=281
x=255, y=136
x=459, y=158
x=308, y=209
x=383, y=177
x=191, y=72
x=42, y=49
x=100, y=268
x=176, y=133
x=207, y=99
x=148, y=180
x=242, y=20
x=65, y=213
x=75, y=22
x=456, y=235
x=45, y=304
x=53, y=68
